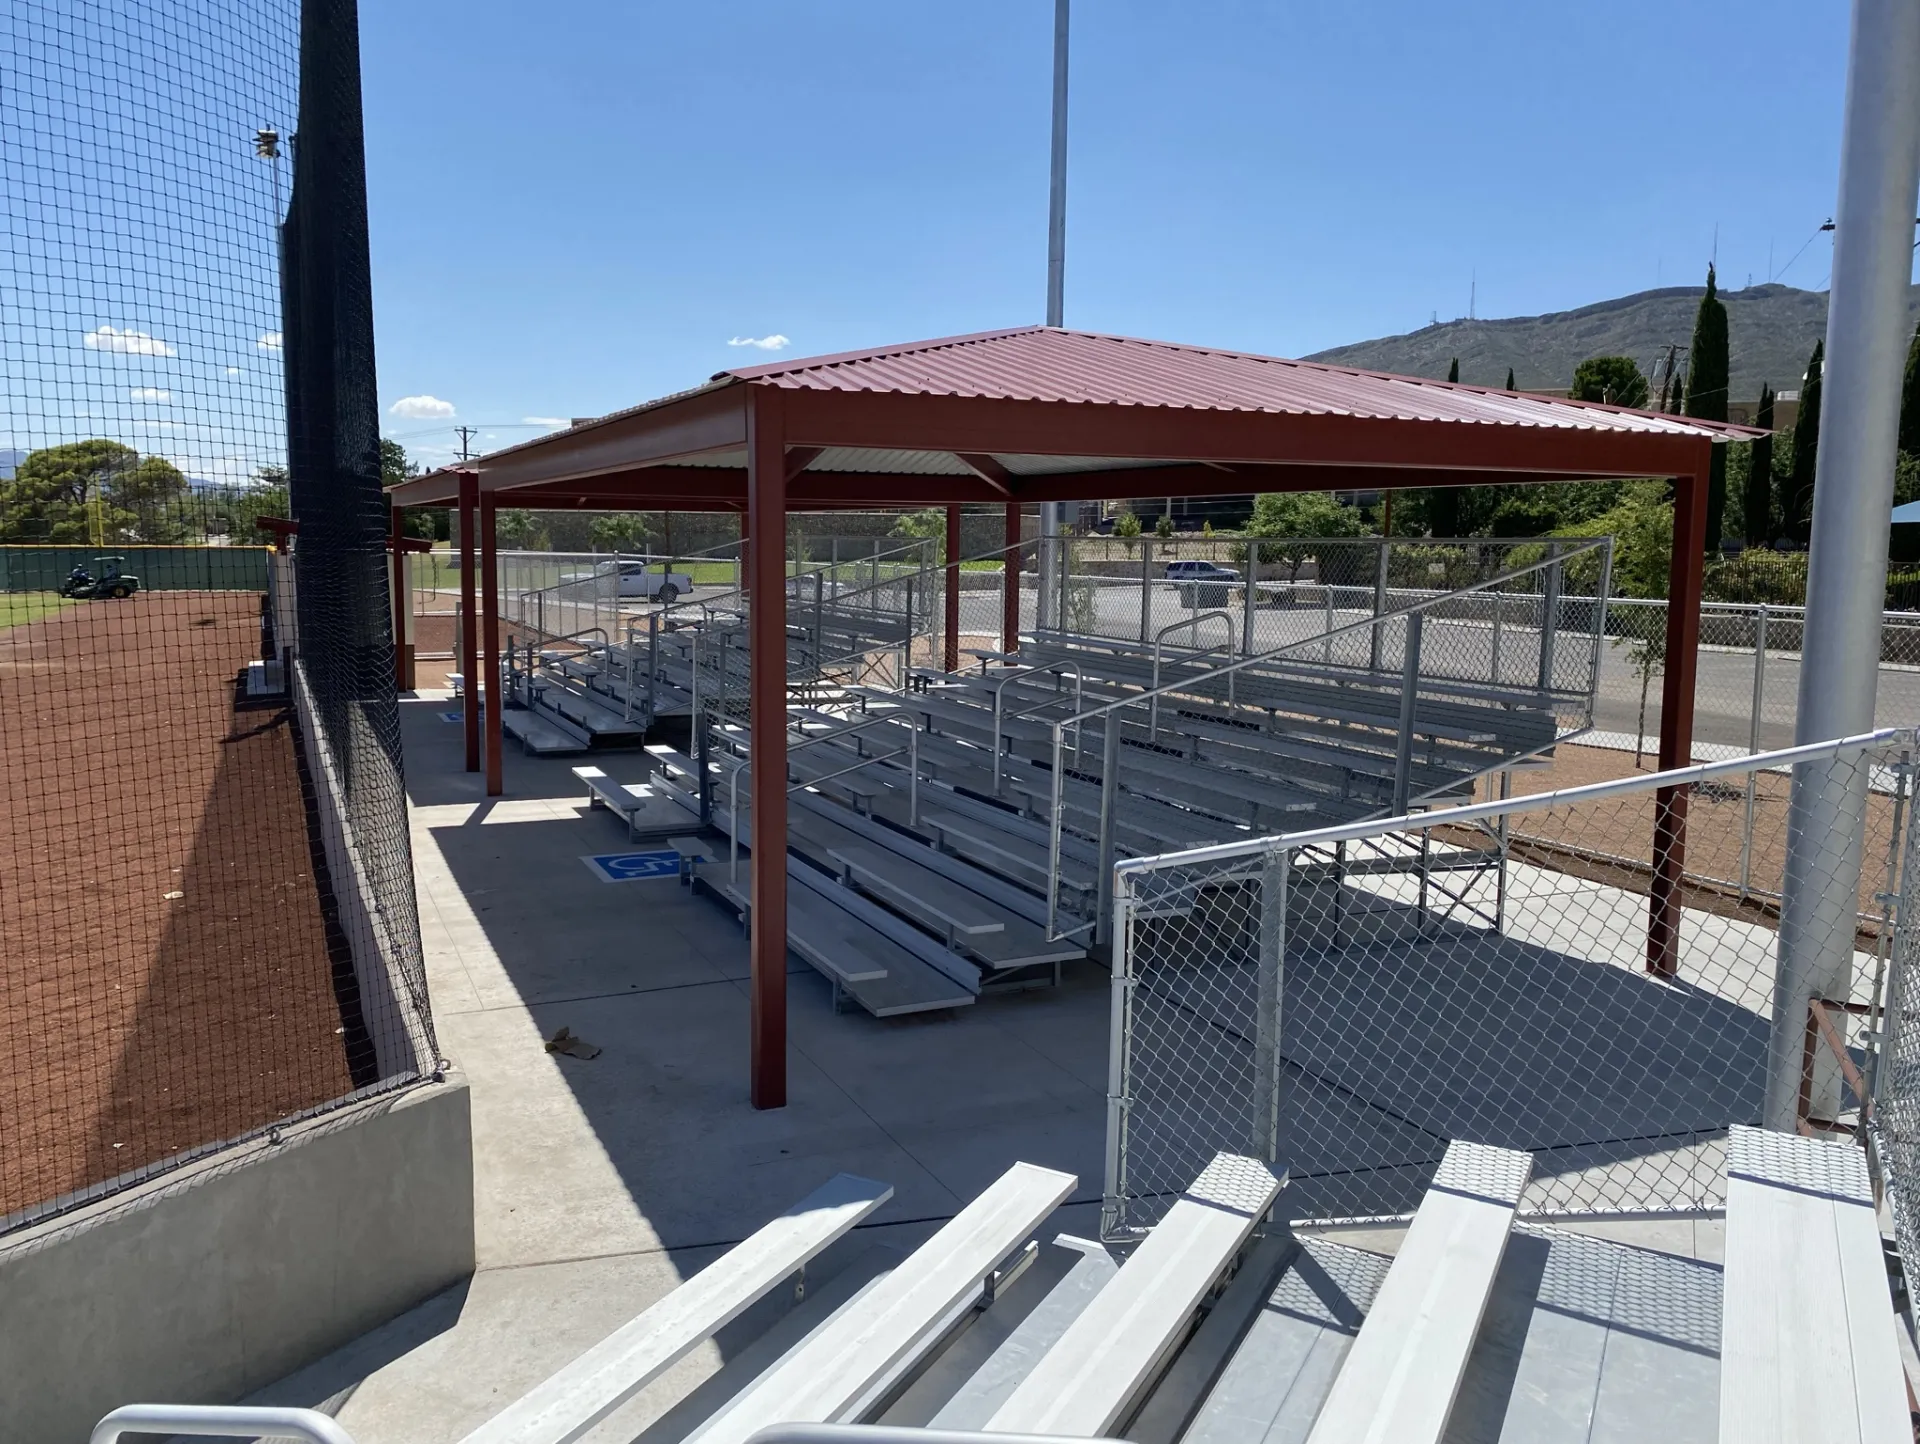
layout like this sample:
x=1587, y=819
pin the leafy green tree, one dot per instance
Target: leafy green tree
x=1163, y=528
x=1910, y=398
x=517, y=528
x=1757, y=523
x=1707, y=398
x=1295, y=519
x=1611, y=380
x=395, y=466
x=927, y=524
x=1126, y=526
x=1796, y=511
x=84, y=492
x=267, y=496
x=618, y=531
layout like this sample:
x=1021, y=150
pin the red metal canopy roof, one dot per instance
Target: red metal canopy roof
x=1045, y=414
x=1042, y=363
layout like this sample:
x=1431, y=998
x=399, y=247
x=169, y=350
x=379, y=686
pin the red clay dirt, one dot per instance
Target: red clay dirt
x=165, y=979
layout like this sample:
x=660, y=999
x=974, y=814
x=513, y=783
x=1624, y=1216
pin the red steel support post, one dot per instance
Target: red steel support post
x=1676, y=721
x=952, y=658
x=490, y=641
x=400, y=601
x=469, y=617
x=767, y=691
x=1010, y=579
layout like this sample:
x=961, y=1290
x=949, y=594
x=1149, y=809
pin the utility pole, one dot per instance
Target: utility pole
x=1050, y=511
x=466, y=438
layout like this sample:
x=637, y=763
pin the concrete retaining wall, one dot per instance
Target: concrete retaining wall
x=226, y=1275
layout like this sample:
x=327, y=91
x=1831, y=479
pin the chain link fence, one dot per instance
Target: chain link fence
x=206, y=899
x=1349, y=999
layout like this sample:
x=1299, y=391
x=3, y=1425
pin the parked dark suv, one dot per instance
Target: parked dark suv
x=1203, y=584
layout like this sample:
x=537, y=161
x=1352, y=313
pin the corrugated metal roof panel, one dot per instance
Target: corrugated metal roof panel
x=1039, y=363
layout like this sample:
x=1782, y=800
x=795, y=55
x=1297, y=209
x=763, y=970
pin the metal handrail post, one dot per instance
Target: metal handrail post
x=1753, y=744
x=1249, y=596
x=1159, y=640
x=1146, y=587
x=1550, y=616
x=1109, y=822
x=1379, y=602
x=1409, y=688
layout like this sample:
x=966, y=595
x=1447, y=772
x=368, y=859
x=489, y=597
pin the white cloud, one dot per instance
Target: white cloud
x=233, y=371
x=422, y=408
x=269, y=341
x=126, y=343
x=546, y=421
x=151, y=393
x=775, y=342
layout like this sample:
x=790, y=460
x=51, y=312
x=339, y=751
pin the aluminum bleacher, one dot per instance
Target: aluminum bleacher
x=1222, y=1325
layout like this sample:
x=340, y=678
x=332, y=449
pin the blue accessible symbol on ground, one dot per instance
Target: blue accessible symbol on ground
x=453, y=716
x=633, y=866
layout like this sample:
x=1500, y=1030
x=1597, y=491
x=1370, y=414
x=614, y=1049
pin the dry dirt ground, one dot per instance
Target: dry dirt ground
x=166, y=979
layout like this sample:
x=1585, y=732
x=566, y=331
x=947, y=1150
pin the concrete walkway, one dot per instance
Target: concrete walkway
x=601, y=1183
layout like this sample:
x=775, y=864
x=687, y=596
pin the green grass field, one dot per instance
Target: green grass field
x=19, y=608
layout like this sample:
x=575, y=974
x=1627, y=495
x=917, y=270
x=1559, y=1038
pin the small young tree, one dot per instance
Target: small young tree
x=1510, y=385
x=1163, y=528
x=1126, y=526
x=1647, y=656
x=1453, y=371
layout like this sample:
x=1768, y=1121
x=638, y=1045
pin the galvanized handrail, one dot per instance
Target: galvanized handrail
x=1111, y=741
x=1159, y=639
x=231, y=1422
x=1014, y=674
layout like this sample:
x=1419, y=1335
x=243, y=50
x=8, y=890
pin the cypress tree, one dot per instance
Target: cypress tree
x=1707, y=367
x=1443, y=503
x=1910, y=398
x=1757, y=522
x=1797, y=513
x=1512, y=387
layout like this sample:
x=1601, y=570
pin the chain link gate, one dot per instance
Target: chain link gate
x=1351, y=999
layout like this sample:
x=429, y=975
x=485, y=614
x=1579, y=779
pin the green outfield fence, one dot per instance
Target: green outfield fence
x=160, y=569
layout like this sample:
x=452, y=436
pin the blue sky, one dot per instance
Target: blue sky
x=577, y=206
x=577, y=212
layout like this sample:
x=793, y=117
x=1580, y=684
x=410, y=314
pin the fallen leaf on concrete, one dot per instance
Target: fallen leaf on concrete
x=564, y=1042
x=171, y=895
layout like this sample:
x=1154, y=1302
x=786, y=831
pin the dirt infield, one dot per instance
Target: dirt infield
x=167, y=976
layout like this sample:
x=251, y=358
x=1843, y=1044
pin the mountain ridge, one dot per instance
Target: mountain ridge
x=1771, y=329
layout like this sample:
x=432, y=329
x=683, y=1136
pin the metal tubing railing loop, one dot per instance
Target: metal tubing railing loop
x=1000, y=720
x=1159, y=640
x=227, y=1422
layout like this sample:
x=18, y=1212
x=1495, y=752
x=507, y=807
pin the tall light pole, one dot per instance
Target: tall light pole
x=1852, y=497
x=1050, y=511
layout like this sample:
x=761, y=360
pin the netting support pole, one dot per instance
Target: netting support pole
x=490, y=643
x=1867, y=332
x=1676, y=719
x=1010, y=580
x=767, y=729
x=951, y=657
x=469, y=638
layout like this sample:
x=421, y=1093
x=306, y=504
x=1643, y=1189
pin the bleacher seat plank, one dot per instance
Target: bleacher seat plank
x=1808, y=1353
x=841, y=1361
x=578, y=1396
x=1111, y=1354
x=1404, y=1369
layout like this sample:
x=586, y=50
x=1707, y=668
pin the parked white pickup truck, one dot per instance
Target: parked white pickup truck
x=654, y=583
